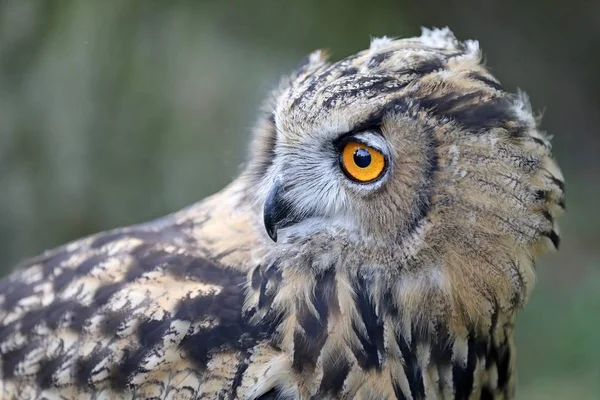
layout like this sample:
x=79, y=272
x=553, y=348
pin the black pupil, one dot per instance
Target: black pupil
x=362, y=158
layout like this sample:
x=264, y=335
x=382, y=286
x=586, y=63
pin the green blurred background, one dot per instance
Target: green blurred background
x=115, y=112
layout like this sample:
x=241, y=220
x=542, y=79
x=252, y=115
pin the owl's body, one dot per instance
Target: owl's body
x=401, y=286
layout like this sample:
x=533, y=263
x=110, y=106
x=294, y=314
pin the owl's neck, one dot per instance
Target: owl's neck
x=367, y=319
x=397, y=331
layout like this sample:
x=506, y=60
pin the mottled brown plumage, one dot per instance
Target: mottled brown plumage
x=405, y=287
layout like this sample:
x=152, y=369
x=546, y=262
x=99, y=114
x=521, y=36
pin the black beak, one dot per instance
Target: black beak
x=277, y=212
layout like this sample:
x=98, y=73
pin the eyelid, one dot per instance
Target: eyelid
x=360, y=138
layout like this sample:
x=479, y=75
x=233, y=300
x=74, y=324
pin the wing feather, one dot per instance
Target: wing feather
x=140, y=308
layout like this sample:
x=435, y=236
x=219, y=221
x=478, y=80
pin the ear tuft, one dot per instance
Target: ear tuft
x=311, y=63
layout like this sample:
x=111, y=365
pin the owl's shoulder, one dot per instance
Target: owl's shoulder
x=142, y=308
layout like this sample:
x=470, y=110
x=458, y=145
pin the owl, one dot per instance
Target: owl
x=377, y=245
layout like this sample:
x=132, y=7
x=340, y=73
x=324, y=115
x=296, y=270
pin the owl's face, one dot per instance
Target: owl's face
x=366, y=177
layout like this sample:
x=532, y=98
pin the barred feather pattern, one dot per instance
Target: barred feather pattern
x=406, y=292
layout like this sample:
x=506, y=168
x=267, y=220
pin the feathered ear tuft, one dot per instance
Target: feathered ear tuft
x=378, y=44
x=438, y=37
x=443, y=38
x=311, y=63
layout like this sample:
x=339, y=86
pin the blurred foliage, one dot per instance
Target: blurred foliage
x=114, y=112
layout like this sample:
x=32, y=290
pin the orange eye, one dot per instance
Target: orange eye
x=361, y=162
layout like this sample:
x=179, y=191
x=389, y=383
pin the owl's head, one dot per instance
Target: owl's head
x=411, y=147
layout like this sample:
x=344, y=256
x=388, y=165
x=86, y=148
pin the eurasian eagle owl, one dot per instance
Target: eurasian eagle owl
x=377, y=246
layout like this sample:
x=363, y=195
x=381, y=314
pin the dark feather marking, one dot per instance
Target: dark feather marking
x=64, y=279
x=152, y=331
x=148, y=258
x=558, y=182
x=244, y=363
x=539, y=141
x=335, y=372
x=553, y=236
x=315, y=80
x=389, y=308
x=271, y=277
x=562, y=203
x=196, y=268
x=485, y=80
x=190, y=309
x=275, y=394
x=81, y=315
x=256, y=278
x=68, y=275
x=412, y=369
x=541, y=195
x=370, y=86
x=84, y=366
x=48, y=367
x=264, y=299
x=441, y=346
x=441, y=350
x=200, y=345
x=270, y=395
x=51, y=261
x=14, y=290
x=547, y=215
x=226, y=305
x=423, y=68
x=398, y=390
x=371, y=338
x=500, y=355
x=83, y=370
x=463, y=375
x=12, y=358
x=30, y=320
x=472, y=112
x=232, y=330
x=130, y=364
x=486, y=394
x=348, y=71
x=490, y=358
x=86, y=266
x=53, y=315
x=104, y=293
x=309, y=340
x=264, y=329
x=374, y=121
x=462, y=378
x=377, y=59
x=388, y=305
x=112, y=321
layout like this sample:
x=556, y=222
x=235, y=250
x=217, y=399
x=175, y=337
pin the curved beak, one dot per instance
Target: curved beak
x=278, y=213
